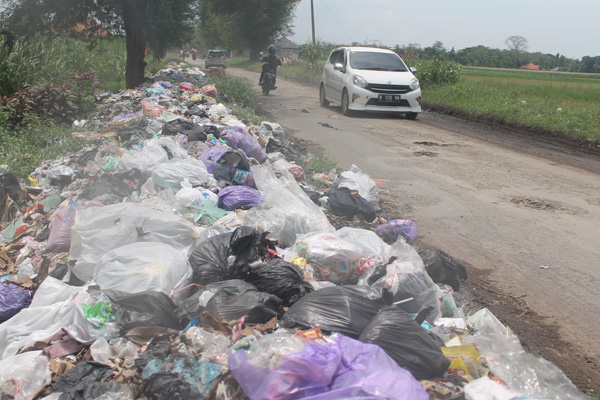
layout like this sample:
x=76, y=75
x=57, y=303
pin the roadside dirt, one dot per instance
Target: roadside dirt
x=521, y=209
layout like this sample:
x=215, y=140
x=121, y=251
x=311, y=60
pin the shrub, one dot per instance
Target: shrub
x=313, y=53
x=62, y=104
x=437, y=72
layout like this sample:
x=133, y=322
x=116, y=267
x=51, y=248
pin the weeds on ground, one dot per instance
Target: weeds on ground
x=318, y=164
x=23, y=150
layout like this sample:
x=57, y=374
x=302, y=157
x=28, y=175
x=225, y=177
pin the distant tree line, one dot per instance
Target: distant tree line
x=482, y=56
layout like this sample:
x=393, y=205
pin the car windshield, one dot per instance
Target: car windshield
x=376, y=61
x=216, y=54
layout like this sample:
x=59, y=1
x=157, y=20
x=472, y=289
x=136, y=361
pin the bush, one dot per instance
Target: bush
x=314, y=53
x=61, y=104
x=437, y=72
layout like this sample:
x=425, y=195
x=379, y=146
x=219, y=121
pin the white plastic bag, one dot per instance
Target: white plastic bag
x=270, y=129
x=356, y=180
x=98, y=230
x=145, y=159
x=138, y=267
x=171, y=174
x=38, y=322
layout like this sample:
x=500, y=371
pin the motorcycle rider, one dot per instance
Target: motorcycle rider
x=270, y=61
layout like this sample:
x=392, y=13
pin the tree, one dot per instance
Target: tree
x=516, y=42
x=245, y=24
x=171, y=24
x=110, y=17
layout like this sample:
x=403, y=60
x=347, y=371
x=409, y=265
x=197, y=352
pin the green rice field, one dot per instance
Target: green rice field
x=559, y=102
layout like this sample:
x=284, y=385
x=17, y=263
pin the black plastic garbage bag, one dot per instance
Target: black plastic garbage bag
x=167, y=385
x=281, y=278
x=156, y=350
x=344, y=309
x=444, y=268
x=119, y=185
x=408, y=343
x=227, y=256
x=348, y=203
x=194, y=306
x=185, y=127
x=257, y=307
x=94, y=390
x=230, y=301
x=132, y=134
x=149, y=308
x=196, y=111
x=86, y=372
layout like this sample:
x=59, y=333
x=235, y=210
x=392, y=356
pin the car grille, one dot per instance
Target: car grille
x=388, y=89
x=376, y=102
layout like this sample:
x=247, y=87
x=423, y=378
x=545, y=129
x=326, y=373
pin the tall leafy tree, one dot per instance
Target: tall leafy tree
x=171, y=24
x=110, y=17
x=245, y=24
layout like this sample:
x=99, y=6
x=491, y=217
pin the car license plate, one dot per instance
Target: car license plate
x=389, y=98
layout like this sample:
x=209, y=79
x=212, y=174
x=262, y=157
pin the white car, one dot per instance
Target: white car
x=370, y=79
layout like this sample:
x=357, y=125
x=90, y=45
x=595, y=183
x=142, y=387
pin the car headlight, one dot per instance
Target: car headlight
x=359, y=81
x=414, y=84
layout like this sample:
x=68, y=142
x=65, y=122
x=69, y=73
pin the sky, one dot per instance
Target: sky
x=568, y=27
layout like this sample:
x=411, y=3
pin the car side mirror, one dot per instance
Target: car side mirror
x=339, y=67
x=413, y=70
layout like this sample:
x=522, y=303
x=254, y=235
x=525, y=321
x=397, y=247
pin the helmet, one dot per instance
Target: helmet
x=272, y=49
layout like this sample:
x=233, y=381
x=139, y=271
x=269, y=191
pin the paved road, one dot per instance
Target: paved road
x=530, y=215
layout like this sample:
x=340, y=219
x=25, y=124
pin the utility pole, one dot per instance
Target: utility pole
x=312, y=18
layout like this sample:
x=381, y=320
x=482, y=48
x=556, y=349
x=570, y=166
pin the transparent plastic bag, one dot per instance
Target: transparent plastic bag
x=23, y=375
x=88, y=317
x=214, y=347
x=287, y=210
x=524, y=373
x=405, y=277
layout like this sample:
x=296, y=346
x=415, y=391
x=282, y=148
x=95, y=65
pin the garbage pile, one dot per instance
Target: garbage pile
x=186, y=255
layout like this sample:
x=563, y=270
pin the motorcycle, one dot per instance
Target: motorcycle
x=268, y=81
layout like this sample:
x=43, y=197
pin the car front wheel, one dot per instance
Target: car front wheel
x=322, y=100
x=345, y=103
x=411, y=115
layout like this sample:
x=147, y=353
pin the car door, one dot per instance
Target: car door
x=334, y=78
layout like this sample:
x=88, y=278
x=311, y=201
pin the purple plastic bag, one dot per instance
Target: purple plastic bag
x=60, y=233
x=390, y=231
x=210, y=156
x=12, y=300
x=342, y=369
x=238, y=138
x=234, y=197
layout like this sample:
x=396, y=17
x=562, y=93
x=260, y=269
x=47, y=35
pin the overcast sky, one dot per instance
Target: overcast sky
x=568, y=27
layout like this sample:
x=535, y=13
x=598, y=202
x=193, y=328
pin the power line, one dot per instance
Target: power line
x=336, y=20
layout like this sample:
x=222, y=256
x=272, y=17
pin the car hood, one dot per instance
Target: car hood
x=396, y=78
